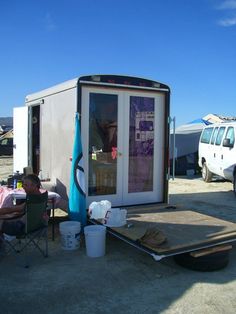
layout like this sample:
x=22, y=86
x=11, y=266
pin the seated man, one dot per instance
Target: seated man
x=31, y=185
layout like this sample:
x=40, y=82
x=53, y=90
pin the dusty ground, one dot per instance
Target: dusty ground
x=215, y=198
x=6, y=167
x=125, y=280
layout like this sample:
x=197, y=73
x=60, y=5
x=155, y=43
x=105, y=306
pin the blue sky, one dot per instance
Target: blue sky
x=189, y=45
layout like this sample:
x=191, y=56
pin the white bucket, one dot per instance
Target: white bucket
x=70, y=235
x=95, y=240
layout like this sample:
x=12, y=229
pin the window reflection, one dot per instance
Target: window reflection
x=102, y=143
x=141, y=144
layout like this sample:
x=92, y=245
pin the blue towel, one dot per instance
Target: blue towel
x=77, y=196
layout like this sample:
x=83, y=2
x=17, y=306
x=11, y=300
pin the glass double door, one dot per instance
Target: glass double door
x=122, y=136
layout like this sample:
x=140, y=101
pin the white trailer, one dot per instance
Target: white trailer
x=124, y=131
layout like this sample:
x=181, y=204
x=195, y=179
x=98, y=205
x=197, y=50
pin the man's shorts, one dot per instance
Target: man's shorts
x=14, y=228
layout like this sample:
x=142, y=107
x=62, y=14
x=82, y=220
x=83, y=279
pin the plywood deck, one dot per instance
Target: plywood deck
x=184, y=229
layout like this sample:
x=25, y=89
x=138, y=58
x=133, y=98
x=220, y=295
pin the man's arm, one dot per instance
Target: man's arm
x=14, y=209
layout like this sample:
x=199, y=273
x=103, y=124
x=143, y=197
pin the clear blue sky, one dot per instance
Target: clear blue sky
x=188, y=44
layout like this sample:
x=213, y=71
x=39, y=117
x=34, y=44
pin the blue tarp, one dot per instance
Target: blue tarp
x=200, y=121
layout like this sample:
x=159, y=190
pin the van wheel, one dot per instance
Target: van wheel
x=211, y=262
x=206, y=173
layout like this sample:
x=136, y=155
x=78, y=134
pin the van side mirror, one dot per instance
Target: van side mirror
x=226, y=143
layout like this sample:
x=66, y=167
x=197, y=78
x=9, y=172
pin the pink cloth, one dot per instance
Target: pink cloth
x=6, y=199
x=7, y=195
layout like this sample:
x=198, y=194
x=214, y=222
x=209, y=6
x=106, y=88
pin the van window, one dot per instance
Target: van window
x=214, y=135
x=230, y=135
x=206, y=135
x=220, y=135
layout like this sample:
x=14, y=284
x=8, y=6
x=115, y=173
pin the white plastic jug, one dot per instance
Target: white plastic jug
x=97, y=210
x=116, y=217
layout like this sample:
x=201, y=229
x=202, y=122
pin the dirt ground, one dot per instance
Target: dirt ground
x=6, y=167
x=125, y=280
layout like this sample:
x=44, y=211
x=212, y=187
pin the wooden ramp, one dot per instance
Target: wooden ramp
x=185, y=230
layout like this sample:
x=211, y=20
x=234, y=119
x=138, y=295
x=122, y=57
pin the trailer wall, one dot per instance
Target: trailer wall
x=57, y=112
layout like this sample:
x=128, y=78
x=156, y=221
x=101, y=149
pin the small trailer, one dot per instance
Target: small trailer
x=124, y=133
x=125, y=123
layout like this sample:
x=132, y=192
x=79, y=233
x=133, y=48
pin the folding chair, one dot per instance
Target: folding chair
x=36, y=226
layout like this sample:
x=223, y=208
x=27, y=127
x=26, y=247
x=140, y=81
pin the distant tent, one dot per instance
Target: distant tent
x=187, y=137
x=186, y=146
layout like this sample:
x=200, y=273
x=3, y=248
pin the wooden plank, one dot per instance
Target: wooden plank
x=214, y=249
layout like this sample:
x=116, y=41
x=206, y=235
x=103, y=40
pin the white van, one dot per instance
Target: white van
x=217, y=152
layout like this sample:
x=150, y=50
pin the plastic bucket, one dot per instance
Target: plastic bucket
x=70, y=235
x=95, y=240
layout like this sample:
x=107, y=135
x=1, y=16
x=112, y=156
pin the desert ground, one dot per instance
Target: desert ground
x=6, y=167
x=125, y=280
